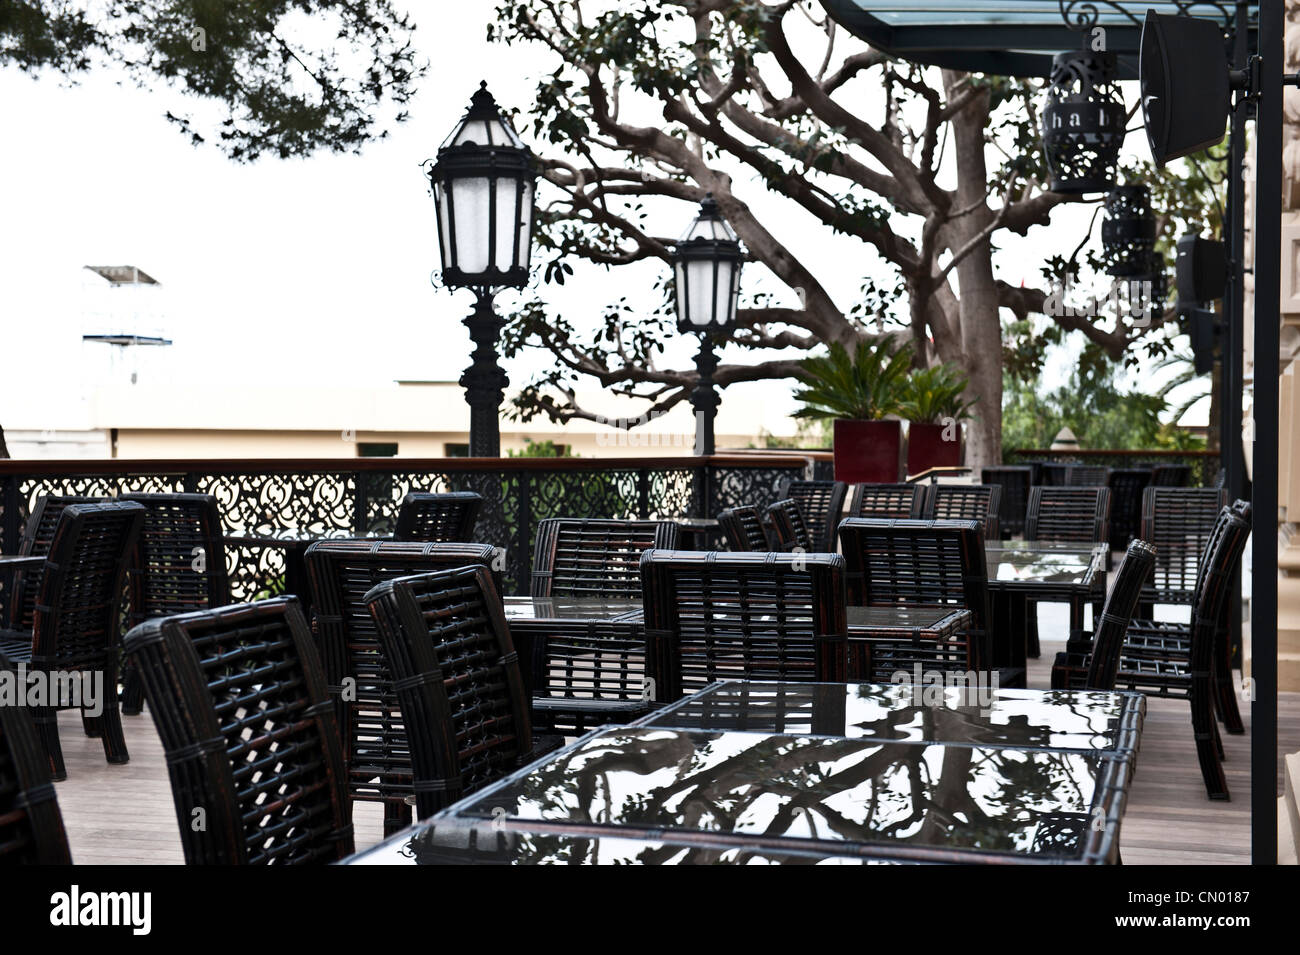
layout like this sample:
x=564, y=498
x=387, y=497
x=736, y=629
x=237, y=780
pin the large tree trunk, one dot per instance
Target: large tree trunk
x=981, y=329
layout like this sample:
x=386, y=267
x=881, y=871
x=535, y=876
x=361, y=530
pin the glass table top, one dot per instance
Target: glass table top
x=921, y=801
x=1042, y=562
x=916, y=712
x=932, y=620
x=570, y=608
x=298, y=535
x=459, y=842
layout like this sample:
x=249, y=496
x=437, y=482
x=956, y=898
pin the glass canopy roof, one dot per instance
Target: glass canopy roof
x=1012, y=37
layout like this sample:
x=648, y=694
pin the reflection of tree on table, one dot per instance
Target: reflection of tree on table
x=979, y=798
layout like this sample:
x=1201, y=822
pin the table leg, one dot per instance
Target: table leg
x=296, y=583
x=1018, y=633
x=1010, y=637
x=522, y=638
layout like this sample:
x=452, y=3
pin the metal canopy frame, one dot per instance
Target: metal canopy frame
x=1013, y=37
x=1019, y=38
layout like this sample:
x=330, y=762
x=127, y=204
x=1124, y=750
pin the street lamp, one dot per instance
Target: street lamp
x=483, y=186
x=706, y=264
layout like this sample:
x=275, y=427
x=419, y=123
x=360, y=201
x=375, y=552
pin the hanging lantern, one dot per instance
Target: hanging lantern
x=1143, y=295
x=1128, y=233
x=1083, y=122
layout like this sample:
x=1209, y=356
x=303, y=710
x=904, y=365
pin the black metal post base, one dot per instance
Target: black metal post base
x=484, y=381
x=705, y=397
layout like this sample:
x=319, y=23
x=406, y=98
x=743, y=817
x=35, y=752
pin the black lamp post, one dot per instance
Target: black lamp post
x=483, y=183
x=706, y=263
x=1083, y=122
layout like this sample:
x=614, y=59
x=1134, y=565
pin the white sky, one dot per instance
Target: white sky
x=306, y=270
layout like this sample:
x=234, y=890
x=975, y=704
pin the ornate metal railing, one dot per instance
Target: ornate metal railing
x=361, y=496
x=1204, y=464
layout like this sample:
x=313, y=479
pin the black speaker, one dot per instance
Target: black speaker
x=1184, y=78
x=1201, y=270
x=1203, y=329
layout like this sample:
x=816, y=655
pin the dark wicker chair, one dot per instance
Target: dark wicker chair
x=1176, y=660
x=1170, y=475
x=743, y=529
x=77, y=624
x=1068, y=514
x=595, y=558
x=887, y=501
x=789, y=527
x=1095, y=668
x=1078, y=515
x=592, y=672
x=239, y=700
x=715, y=616
x=1178, y=522
x=31, y=826
x=822, y=503
x=1086, y=475
x=1015, y=480
x=376, y=752
x=1126, y=488
x=965, y=502
x=178, y=565
x=926, y=562
x=38, y=532
x=462, y=696
x=1053, y=473
x=438, y=517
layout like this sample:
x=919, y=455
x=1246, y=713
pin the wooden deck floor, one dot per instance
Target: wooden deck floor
x=123, y=814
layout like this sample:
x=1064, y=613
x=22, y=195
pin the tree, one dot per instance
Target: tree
x=1186, y=197
x=279, y=95
x=651, y=102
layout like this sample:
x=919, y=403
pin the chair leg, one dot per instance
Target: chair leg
x=132, y=691
x=1031, y=629
x=1226, y=695
x=1206, y=732
x=46, y=719
x=92, y=725
x=397, y=816
x=114, y=741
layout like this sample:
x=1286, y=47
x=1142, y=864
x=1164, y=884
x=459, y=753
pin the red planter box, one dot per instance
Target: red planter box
x=927, y=449
x=868, y=452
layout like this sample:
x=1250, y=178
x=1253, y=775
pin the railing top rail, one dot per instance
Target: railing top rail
x=1116, y=452
x=289, y=465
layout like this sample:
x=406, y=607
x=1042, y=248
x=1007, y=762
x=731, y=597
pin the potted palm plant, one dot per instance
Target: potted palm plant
x=934, y=407
x=861, y=396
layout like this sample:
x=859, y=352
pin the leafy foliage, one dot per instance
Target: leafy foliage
x=932, y=394
x=867, y=387
x=280, y=96
x=1090, y=404
x=540, y=449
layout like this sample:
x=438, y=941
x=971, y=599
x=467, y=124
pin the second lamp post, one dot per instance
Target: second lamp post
x=706, y=263
x=483, y=182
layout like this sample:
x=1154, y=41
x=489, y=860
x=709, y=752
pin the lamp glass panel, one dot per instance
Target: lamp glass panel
x=699, y=284
x=443, y=224
x=724, y=292
x=508, y=216
x=478, y=132
x=680, y=271
x=525, y=236
x=470, y=201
